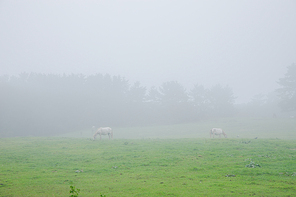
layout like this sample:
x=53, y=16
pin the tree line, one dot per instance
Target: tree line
x=46, y=104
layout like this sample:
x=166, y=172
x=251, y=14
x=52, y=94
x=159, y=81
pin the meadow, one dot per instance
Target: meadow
x=141, y=163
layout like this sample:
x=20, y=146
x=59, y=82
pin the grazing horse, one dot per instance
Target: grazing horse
x=217, y=131
x=104, y=131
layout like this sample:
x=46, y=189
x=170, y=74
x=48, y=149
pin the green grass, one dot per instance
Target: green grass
x=188, y=166
x=244, y=127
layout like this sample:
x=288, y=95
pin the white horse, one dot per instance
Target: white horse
x=104, y=131
x=217, y=131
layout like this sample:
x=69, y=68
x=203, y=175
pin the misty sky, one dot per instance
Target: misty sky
x=246, y=45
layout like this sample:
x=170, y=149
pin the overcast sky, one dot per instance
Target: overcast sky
x=246, y=45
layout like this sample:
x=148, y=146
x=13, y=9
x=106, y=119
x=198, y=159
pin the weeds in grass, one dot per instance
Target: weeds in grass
x=246, y=142
x=229, y=175
x=73, y=191
x=253, y=165
x=288, y=174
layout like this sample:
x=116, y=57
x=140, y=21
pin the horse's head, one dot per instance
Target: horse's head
x=97, y=132
x=224, y=134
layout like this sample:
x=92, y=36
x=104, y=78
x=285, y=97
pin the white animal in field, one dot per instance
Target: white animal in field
x=217, y=131
x=104, y=131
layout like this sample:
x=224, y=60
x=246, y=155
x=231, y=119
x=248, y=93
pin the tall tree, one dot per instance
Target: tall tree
x=287, y=92
x=174, y=102
x=200, y=100
x=173, y=93
x=137, y=93
x=221, y=100
x=154, y=95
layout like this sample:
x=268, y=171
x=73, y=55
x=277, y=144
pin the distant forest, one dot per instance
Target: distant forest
x=47, y=104
x=33, y=104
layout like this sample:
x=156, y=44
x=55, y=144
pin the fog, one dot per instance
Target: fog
x=246, y=45
x=72, y=61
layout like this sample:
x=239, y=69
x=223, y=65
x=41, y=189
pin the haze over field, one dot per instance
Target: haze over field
x=246, y=45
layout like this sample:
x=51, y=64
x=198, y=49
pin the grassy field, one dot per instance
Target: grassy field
x=152, y=165
x=244, y=127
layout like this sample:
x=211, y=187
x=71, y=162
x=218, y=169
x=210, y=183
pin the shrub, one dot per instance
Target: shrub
x=73, y=191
